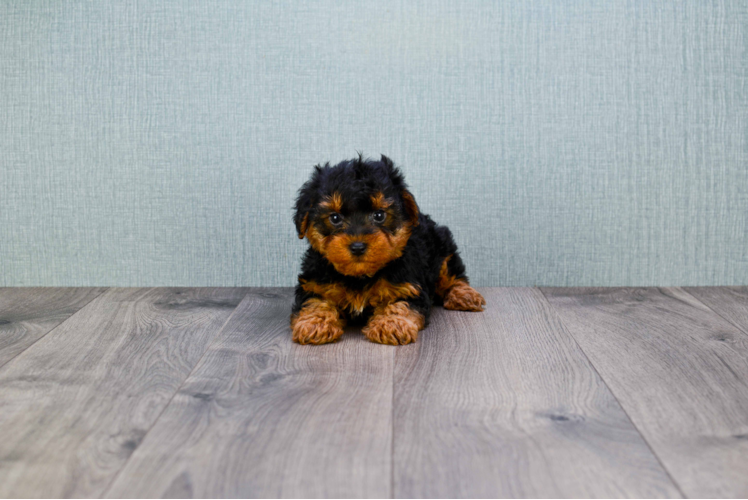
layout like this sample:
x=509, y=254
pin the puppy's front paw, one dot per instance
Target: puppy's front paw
x=396, y=324
x=318, y=322
x=463, y=297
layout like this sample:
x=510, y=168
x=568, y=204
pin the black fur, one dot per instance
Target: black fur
x=357, y=180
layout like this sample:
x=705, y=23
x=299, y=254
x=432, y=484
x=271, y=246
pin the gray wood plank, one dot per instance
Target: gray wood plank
x=730, y=302
x=505, y=404
x=679, y=370
x=27, y=314
x=261, y=416
x=75, y=405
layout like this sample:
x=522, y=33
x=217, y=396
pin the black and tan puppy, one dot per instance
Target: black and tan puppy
x=373, y=256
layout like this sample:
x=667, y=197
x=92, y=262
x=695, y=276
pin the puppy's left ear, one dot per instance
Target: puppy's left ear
x=305, y=202
x=409, y=202
x=411, y=207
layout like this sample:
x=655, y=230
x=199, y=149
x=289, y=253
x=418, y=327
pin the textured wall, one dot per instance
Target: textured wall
x=565, y=143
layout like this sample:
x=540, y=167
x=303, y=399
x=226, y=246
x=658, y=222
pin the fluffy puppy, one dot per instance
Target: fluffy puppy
x=372, y=256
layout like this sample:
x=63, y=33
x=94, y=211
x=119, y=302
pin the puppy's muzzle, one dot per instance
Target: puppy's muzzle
x=357, y=248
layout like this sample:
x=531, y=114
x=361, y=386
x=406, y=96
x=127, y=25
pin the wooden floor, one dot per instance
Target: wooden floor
x=199, y=392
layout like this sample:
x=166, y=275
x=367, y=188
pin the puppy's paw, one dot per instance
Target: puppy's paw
x=463, y=297
x=318, y=322
x=395, y=324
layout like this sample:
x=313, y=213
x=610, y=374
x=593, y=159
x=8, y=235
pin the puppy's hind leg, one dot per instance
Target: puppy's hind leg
x=453, y=288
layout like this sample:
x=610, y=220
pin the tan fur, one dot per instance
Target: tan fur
x=378, y=294
x=318, y=322
x=394, y=324
x=379, y=202
x=316, y=239
x=333, y=203
x=445, y=280
x=462, y=297
x=382, y=248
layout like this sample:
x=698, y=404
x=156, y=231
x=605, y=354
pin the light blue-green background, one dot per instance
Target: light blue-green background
x=564, y=142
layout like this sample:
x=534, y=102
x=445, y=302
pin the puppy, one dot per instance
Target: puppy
x=372, y=257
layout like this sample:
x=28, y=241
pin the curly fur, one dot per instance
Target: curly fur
x=409, y=264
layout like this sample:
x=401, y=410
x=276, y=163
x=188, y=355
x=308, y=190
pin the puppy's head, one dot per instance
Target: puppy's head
x=357, y=214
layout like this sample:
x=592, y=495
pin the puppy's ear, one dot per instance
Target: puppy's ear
x=409, y=202
x=411, y=207
x=305, y=202
x=301, y=224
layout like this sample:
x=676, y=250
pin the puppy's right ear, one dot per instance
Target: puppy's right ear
x=411, y=207
x=301, y=225
x=305, y=202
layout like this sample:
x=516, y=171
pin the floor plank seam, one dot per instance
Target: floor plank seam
x=392, y=434
x=105, y=492
x=737, y=326
x=56, y=327
x=571, y=335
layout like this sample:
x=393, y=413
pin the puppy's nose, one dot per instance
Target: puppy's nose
x=358, y=247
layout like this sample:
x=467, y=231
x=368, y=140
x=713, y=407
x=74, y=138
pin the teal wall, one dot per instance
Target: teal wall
x=564, y=142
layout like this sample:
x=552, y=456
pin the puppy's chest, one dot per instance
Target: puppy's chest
x=380, y=293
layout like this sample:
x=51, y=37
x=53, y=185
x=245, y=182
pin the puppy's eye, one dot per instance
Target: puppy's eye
x=379, y=216
x=335, y=219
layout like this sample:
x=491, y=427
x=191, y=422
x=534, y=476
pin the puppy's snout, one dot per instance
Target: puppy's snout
x=357, y=247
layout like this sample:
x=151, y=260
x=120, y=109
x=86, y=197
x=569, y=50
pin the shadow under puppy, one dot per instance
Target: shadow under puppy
x=373, y=257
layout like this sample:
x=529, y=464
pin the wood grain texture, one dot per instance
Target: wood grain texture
x=679, y=370
x=75, y=405
x=505, y=404
x=27, y=314
x=261, y=416
x=730, y=302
